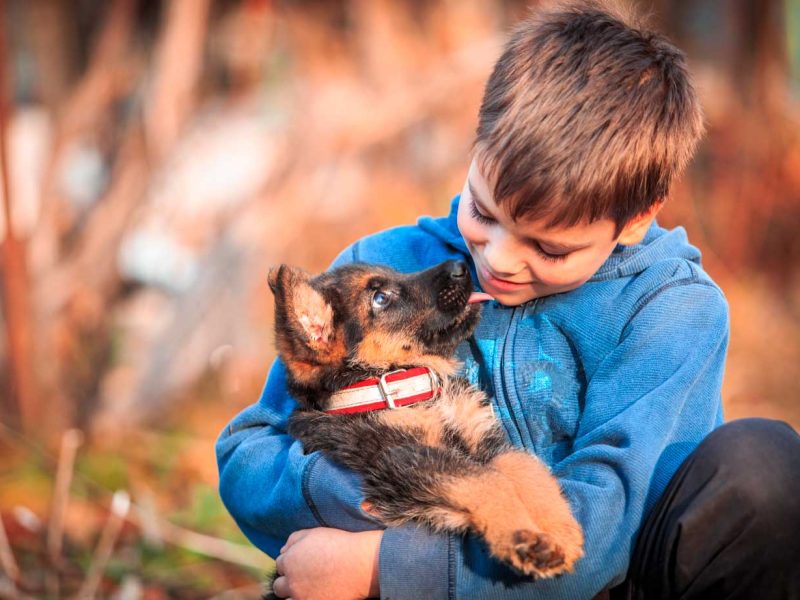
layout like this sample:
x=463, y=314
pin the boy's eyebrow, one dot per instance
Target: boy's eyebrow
x=552, y=245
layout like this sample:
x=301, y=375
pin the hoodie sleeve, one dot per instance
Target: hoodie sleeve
x=648, y=405
x=269, y=486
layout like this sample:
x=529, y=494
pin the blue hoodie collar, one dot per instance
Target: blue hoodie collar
x=658, y=244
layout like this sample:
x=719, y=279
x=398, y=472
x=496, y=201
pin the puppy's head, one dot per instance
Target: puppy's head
x=370, y=319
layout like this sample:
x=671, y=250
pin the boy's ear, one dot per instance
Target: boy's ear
x=301, y=313
x=635, y=229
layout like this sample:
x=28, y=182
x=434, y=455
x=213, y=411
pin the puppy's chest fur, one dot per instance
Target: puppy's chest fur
x=460, y=417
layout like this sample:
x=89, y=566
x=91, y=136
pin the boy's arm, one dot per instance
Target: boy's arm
x=645, y=412
x=266, y=482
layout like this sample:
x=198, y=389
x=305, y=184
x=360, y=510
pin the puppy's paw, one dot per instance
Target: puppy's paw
x=546, y=506
x=534, y=553
x=563, y=532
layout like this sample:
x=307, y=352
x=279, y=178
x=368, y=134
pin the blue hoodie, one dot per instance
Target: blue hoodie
x=612, y=384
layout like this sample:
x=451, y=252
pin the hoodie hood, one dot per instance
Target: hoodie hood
x=446, y=228
x=658, y=244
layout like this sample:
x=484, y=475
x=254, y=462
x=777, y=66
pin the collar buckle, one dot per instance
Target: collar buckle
x=386, y=393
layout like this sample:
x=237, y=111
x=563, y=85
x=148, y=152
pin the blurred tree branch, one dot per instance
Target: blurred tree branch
x=66, y=305
x=15, y=282
x=179, y=60
x=78, y=281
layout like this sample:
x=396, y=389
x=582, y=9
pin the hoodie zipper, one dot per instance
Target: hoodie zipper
x=507, y=384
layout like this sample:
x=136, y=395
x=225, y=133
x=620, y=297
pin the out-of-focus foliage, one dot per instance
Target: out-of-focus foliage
x=161, y=155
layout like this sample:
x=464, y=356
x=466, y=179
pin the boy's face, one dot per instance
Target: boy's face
x=522, y=260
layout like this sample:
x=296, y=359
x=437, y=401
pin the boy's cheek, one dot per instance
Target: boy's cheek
x=563, y=280
x=567, y=280
x=474, y=239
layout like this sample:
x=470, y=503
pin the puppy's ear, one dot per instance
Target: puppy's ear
x=273, y=278
x=302, y=316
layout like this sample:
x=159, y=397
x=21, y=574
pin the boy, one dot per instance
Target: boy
x=603, y=353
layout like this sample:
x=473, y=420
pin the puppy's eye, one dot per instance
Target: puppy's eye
x=381, y=300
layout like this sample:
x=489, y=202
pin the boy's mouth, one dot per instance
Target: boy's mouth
x=499, y=284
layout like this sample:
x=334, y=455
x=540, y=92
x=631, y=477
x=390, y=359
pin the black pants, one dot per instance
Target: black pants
x=728, y=524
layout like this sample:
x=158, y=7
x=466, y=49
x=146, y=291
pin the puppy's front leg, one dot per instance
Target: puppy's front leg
x=541, y=495
x=473, y=426
x=449, y=491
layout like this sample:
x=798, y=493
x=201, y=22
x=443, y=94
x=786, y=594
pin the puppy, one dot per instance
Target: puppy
x=369, y=357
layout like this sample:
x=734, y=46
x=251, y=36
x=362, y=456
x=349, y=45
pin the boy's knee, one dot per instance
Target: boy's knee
x=757, y=461
x=752, y=442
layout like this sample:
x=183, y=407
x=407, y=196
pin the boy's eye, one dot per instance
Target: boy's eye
x=479, y=216
x=487, y=220
x=381, y=300
x=549, y=256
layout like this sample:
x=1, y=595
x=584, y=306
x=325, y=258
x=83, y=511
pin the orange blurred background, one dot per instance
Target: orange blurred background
x=160, y=156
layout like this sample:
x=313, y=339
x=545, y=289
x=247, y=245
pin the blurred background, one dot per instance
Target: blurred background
x=159, y=156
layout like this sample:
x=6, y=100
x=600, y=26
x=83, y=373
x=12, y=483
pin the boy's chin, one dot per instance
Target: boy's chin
x=514, y=301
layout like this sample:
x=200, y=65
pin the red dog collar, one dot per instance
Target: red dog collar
x=395, y=389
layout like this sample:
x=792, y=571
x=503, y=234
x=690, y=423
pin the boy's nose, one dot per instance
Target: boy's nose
x=502, y=257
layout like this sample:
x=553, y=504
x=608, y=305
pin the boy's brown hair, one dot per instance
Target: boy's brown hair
x=586, y=116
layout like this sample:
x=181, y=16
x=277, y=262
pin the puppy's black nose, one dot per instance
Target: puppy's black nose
x=457, y=269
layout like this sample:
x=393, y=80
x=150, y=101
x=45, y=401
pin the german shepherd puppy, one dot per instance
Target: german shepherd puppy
x=443, y=461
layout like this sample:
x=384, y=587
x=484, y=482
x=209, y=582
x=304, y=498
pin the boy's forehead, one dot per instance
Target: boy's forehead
x=481, y=166
x=476, y=175
x=480, y=183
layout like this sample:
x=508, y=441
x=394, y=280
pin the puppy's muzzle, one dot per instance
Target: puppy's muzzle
x=456, y=286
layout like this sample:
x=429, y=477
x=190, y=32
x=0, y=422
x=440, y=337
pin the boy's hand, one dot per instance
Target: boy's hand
x=329, y=564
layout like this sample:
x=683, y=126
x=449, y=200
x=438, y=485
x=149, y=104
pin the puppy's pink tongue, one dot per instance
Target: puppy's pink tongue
x=475, y=297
